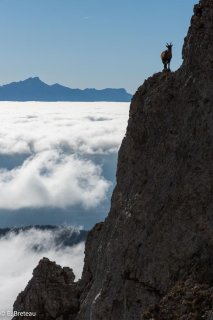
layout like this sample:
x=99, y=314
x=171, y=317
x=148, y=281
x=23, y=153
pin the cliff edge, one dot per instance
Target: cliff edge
x=152, y=258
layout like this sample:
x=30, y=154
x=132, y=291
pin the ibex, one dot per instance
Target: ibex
x=166, y=56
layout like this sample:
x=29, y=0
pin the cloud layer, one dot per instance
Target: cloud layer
x=53, y=156
x=51, y=179
x=46, y=150
x=19, y=258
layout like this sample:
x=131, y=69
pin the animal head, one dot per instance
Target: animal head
x=169, y=46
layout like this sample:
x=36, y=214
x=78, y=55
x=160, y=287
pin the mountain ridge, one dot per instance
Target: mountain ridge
x=34, y=89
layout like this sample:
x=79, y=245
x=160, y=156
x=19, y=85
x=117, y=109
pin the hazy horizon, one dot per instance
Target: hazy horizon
x=50, y=84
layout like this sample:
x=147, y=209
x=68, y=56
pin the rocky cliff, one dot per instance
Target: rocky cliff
x=152, y=258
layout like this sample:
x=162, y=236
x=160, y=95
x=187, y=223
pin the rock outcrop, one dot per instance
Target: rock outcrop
x=50, y=294
x=152, y=258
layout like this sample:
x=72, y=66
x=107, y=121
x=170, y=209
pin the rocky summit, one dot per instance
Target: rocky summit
x=152, y=258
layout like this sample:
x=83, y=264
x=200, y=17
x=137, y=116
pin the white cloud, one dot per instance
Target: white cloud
x=83, y=127
x=50, y=179
x=44, y=149
x=18, y=259
x=55, y=139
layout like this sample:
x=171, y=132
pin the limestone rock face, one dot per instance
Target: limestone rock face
x=159, y=232
x=185, y=301
x=50, y=294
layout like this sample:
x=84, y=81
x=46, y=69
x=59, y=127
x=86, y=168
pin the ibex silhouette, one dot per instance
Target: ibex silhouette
x=166, y=56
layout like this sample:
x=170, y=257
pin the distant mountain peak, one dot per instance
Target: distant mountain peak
x=34, y=89
x=33, y=80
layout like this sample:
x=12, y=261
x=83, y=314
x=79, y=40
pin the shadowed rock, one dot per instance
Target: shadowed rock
x=50, y=294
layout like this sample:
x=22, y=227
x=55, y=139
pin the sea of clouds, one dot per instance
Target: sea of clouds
x=52, y=156
x=46, y=152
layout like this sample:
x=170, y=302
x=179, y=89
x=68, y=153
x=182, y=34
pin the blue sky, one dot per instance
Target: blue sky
x=90, y=43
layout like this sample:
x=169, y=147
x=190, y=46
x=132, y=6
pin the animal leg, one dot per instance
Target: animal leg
x=169, y=65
